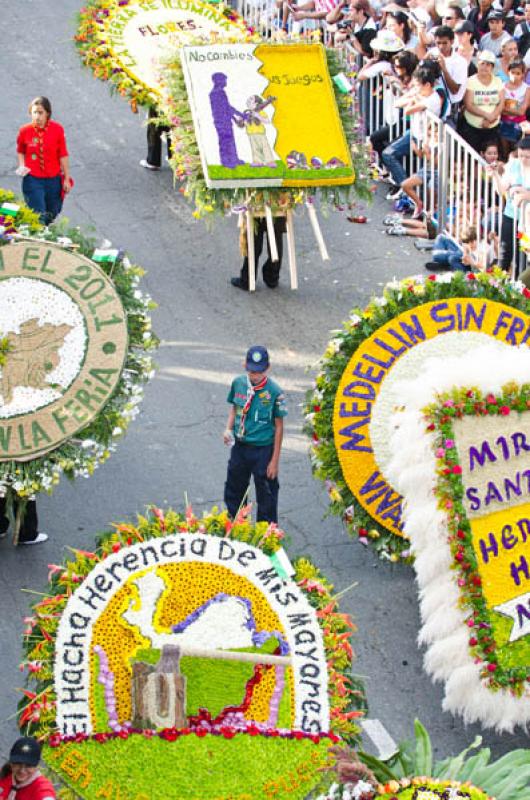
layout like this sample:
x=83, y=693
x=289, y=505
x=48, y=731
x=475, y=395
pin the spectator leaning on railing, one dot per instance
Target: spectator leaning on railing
x=422, y=97
x=404, y=64
x=515, y=185
x=483, y=103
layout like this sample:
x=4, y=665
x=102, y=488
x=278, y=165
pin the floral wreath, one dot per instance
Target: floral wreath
x=449, y=492
x=187, y=166
x=398, y=297
x=97, y=55
x=37, y=709
x=79, y=456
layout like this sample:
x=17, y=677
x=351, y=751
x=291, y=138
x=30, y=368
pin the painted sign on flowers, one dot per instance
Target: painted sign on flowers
x=358, y=387
x=183, y=629
x=266, y=115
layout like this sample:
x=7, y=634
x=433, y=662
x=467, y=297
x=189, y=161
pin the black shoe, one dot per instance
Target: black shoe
x=434, y=266
x=238, y=283
x=272, y=284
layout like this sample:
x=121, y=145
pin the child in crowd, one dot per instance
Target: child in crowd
x=516, y=103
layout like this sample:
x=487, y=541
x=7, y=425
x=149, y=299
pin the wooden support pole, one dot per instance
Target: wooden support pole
x=251, y=253
x=311, y=210
x=291, y=250
x=270, y=233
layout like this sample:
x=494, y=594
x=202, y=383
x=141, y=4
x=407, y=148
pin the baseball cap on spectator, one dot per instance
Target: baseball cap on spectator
x=464, y=27
x=495, y=15
x=487, y=55
x=387, y=42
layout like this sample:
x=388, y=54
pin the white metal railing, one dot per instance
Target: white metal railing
x=457, y=186
x=521, y=225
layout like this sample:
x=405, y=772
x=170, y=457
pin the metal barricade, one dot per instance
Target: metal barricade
x=262, y=15
x=521, y=259
x=469, y=195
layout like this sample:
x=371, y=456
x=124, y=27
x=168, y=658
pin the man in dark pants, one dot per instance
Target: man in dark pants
x=29, y=528
x=257, y=409
x=271, y=269
x=154, y=142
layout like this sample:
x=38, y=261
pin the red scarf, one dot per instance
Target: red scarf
x=251, y=391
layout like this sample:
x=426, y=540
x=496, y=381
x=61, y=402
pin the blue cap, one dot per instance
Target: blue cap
x=257, y=359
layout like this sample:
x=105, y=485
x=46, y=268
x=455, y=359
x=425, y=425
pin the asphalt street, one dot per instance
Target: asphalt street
x=175, y=446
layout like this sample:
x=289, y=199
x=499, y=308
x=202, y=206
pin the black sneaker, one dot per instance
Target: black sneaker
x=434, y=266
x=238, y=283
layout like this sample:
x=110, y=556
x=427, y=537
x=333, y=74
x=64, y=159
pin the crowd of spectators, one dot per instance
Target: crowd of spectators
x=465, y=61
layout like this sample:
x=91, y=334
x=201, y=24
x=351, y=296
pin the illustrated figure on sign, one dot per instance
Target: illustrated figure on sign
x=224, y=115
x=255, y=121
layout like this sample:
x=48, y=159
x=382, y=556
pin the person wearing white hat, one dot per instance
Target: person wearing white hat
x=385, y=45
x=483, y=103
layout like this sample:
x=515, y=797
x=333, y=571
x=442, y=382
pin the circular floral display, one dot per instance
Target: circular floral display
x=124, y=41
x=179, y=629
x=73, y=355
x=357, y=386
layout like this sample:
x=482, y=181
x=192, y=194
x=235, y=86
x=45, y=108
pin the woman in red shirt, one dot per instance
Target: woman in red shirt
x=20, y=778
x=43, y=161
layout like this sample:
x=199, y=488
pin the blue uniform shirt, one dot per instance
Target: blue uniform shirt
x=267, y=404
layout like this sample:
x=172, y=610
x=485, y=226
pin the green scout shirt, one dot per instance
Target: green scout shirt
x=267, y=404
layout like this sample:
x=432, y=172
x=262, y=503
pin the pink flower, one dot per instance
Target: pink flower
x=504, y=410
x=449, y=404
x=457, y=469
x=440, y=452
x=448, y=444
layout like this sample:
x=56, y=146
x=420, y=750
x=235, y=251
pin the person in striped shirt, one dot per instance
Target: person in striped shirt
x=313, y=9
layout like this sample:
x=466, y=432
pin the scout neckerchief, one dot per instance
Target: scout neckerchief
x=251, y=391
x=40, y=142
x=14, y=789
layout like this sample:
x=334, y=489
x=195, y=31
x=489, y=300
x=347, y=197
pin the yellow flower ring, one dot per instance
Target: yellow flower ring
x=357, y=385
x=263, y=668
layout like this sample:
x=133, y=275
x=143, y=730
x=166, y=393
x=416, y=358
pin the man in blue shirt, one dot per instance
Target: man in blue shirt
x=255, y=422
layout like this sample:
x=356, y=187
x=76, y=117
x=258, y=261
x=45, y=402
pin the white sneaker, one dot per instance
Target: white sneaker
x=39, y=539
x=147, y=165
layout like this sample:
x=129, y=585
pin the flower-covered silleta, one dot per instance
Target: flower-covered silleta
x=349, y=414
x=75, y=333
x=185, y=629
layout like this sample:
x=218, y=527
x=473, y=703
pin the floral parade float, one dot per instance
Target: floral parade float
x=259, y=128
x=349, y=412
x=188, y=652
x=261, y=159
x=461, y=461
x=74, y=335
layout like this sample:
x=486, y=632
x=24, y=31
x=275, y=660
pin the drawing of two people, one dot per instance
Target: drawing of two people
x=254, y=119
